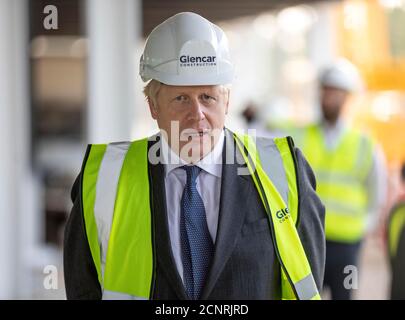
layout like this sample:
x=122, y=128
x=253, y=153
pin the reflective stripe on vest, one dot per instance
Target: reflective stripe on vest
x=116, y=208
x=118, y=218
x=297, y=281
x=341, y=176
x=395, y=227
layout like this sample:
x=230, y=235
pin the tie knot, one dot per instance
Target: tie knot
x=192, y=173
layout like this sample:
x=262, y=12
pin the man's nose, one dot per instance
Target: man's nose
x=196, y=110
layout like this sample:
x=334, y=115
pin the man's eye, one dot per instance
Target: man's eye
x=207, y=97
x=180, y=98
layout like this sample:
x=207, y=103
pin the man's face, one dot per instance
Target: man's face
x=197, y=111
x=332, y=101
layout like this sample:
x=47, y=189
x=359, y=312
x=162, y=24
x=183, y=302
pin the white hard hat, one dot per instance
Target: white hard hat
x=187, y=49
x=342, y=75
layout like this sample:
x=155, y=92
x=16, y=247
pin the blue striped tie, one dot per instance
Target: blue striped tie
x=197, y=247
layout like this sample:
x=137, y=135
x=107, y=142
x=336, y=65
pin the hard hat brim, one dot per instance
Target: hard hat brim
x=188, y=80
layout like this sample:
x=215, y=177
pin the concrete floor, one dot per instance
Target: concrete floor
x=374, y=274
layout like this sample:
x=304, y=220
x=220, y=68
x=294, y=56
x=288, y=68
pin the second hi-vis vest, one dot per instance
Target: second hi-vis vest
x=341, y=175
x=396, y=226
x=118, y=219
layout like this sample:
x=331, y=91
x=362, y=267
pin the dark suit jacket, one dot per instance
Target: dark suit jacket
x=244, y=266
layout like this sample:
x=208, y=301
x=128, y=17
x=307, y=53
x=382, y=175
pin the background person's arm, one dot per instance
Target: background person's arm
x=81, y=279
x=376, y=186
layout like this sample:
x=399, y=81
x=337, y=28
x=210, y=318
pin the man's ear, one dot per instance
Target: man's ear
x=227, y=100
x=152, y=108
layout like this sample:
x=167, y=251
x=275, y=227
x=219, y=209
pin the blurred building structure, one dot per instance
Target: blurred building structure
x=63, y=88
x=17, y=182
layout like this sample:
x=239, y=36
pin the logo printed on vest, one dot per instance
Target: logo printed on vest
x=282, y=215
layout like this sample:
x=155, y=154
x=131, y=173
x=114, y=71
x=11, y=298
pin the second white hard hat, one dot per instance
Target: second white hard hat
x=187, y=49
x=342, y=75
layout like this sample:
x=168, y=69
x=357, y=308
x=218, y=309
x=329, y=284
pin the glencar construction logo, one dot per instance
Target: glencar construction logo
x=283, y=215
x=197, y=61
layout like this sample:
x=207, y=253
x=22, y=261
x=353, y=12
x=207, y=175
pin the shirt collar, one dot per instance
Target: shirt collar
x=211, y=163
x=338, y=127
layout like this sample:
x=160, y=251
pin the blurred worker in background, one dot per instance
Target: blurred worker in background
x=254, y=121
x=175, y=215
x=350, y=173
x=396, y=242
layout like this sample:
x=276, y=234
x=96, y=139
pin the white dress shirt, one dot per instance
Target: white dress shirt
x=208, y=186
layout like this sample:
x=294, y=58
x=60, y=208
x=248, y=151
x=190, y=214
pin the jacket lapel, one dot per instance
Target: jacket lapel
x=162, y=244
x=235, y=191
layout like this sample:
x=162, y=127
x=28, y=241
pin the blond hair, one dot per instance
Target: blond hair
x=151, y=90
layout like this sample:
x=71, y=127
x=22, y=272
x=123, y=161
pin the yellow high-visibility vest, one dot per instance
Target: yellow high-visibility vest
x=341, y=175
x=117, y=213
x=396, y=225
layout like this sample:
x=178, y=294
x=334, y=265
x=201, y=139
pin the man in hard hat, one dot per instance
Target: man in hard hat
x=396, y=242
x=195, y=211
x=350, y=177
